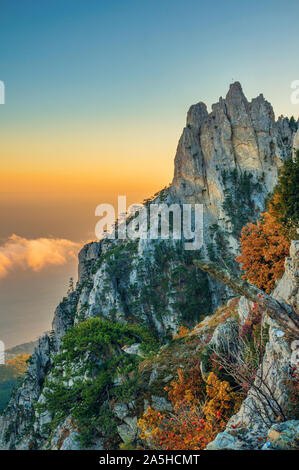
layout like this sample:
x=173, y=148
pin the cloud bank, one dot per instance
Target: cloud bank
x=22, y=253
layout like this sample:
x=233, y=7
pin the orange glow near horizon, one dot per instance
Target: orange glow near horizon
x=68, y=165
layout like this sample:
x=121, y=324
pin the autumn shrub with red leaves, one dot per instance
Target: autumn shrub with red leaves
x=200, y=410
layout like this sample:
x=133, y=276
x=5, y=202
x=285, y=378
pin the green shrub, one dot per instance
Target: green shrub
x=285, y=201
x=95, y=348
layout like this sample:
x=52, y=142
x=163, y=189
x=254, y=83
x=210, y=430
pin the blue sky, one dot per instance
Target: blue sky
x=115, y=60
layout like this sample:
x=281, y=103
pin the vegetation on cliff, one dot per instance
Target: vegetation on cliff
x=284, y=205
x=265, y=244
x=89, y=371
x=199, y=411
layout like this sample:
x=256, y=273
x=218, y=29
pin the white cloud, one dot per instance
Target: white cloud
x=22, y=253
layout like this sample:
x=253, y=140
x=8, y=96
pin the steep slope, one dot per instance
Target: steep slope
x=228, y=160
x=250, y=428
x=9, y=373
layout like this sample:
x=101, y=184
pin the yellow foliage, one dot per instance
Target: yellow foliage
x=222, y=403
x=18, y=364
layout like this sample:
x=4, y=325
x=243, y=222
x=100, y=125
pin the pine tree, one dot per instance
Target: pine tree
x=293, y=124
x=71, y=286
x=284, y=205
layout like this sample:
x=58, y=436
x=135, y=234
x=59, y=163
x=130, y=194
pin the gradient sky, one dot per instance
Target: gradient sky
x=96, y=98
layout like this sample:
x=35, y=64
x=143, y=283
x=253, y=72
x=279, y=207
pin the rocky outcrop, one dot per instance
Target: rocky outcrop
x=238, y=145
x=288, y=286
x=296, y=141
x=249, y=428
x=284, y=436
x=228, y=160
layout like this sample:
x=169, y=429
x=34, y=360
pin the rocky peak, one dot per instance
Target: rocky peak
x=196, y=115
x=230, y=157
x=236, y=92
x=236, y=101
x=236, y=134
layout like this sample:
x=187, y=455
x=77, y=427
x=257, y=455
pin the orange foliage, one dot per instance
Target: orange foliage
x=263, y=251
x=193, y=422
x=18, y=365
x=189, y=389
x=183, y=331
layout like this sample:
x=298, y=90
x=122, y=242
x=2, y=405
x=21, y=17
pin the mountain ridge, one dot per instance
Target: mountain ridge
x=228, y=160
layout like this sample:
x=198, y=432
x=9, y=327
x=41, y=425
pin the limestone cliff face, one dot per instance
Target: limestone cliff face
x=228, y=160
x=217, y=149
x=288, y=286
x=236, y=134
x=296, y=141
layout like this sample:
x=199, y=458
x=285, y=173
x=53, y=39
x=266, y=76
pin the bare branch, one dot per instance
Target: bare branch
x=264, y=393
x=281, y=312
